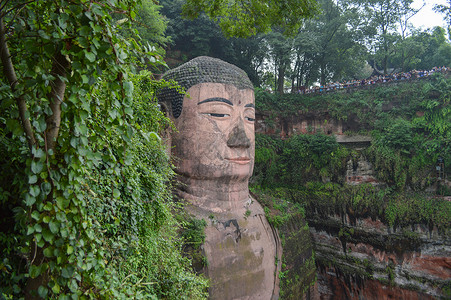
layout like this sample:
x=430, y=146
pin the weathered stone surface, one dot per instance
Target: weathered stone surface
x=300, y=123
x=240, y=248
x=360, y=171
x=369, y=260
x=213, y=152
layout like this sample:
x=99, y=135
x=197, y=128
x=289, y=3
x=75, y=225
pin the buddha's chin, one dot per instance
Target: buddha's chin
x=237, y=171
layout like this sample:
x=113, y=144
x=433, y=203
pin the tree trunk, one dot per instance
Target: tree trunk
x=281, y=79
x=60, y=65
x=10, y=74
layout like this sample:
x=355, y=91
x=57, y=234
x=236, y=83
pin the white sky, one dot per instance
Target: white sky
x=427, y=18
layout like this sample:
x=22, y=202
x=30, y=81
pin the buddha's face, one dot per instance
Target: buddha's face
x=215, y=136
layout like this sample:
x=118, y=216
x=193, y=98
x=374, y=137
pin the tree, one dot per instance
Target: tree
x=281, y=50
x=68, y=127
x=405, y=14
x=446, y=10
x=383, y=16
x=202, y=36
x=246, y=18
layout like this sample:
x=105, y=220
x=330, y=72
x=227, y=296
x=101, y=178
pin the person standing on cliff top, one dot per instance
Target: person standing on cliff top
x=214, y=158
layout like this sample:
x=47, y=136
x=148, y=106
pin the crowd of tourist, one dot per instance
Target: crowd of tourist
x=414, y=74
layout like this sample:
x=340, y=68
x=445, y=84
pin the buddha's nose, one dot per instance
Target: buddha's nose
x=238, y=138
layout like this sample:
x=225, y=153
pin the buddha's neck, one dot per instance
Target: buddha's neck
x=218, y=195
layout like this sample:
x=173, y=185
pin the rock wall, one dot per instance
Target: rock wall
x=361, y=257
x=369, y=260
x=297, y=271
x=286, y=126
x=301, y=122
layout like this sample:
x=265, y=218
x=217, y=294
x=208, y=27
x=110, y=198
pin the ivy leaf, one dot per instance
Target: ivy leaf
x=67, y=272
x=14, y=126
x=46, y=188
x=43, y=291
x=30, y=230
x=32, y=179
x=36, y=166
x=48, y=252
x=38, y=153
x=62, y=202
x=35, y=271
x=47, y=235
x=37, y=228
x=116, y=193
x=128, y=87
x=35, y=215
x=54, y=226
x=34, y=190
x=56, y=288
x=29, y=200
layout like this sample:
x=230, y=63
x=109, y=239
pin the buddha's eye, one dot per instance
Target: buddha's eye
x=217, y=115
x=250, y=119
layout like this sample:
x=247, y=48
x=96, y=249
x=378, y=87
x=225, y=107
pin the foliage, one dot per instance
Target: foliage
x=407, y=141
x=202, y=36
x=398, y=210
x=297, y=159
x=243, y=19
x=86, y=188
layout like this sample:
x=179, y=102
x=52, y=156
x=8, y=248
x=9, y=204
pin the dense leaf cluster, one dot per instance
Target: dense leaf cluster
x=85, y=200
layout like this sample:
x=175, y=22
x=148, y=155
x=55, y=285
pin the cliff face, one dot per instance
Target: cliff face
x=361, y=256
x=366, y=259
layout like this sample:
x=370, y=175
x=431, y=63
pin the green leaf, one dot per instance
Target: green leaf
x=35, y=215
x=47, y=235
x=34, y=190
x=128, y=87
x=48, y=206
x=84, y=31
x=34, y=271
x=46, y=188
x=32, y=179
x=48, y=252
x=37, y=227
x=14, y=126
x=73, y=286
x=90, y=56
x=56, y=288
x=62, y=202
x=29, y=200
x=38, y=152
x=67, y=272
x=36, y=166
x=42, y=292
x=116, y=193
x=54, y=226
x=30, y=230
x=70, y=250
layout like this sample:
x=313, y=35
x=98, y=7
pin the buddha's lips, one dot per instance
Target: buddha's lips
x=240, y=160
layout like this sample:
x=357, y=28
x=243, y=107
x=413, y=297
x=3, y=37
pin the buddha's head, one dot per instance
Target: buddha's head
x=215, y=120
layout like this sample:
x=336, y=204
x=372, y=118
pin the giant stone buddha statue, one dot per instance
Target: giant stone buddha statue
x=213, y=151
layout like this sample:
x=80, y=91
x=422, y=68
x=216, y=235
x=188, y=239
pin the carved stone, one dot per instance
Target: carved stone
x=214, y=157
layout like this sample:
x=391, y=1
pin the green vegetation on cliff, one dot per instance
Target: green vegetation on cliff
x=409, y=123
x=306, y=173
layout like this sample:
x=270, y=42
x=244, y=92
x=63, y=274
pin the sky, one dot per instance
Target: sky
x=427, y=18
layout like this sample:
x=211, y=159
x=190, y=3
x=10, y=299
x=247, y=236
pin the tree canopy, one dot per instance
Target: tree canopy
x=246, y=18
x=346, y=40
